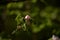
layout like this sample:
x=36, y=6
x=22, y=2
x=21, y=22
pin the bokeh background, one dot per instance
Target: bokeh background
x=44, y=19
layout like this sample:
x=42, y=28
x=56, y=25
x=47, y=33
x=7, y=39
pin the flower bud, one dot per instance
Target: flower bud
x=27, y=17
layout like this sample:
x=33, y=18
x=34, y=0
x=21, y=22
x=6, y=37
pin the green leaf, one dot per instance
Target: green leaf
x=9, y=5
x=16, y=12
x=36, y=29
x=15, y=5
x=43, y=1
x=20, y=4
x=49, y=9
x=35, y=11
x=54, y=14
x=43, y=14
x=41, y=27
x=24, y=27
x=18, y=19
x=48, y=22
x=34, y=1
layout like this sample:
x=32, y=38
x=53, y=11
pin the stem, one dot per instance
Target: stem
x=28, y=7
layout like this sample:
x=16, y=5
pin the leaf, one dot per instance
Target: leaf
x=35, y=11
x=49, y=9
x=9, y=5
x=41, y=26
x=20, y=4
x=43, y=14
x=15, y=5
x=36, y=29
x=49, y=23
x=54, y=14
x=24, y=27
x=18, y=19
x=34, y=1
x=13, y=12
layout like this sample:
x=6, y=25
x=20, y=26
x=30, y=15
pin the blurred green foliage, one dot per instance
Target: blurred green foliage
x=45, y=20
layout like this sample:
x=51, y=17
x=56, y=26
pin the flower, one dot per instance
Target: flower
x=27, y=17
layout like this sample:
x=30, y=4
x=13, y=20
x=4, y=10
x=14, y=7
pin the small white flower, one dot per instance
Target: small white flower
x=27, y=17
x=55, y=37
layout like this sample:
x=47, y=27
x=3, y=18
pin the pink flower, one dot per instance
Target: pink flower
x=27, y=17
